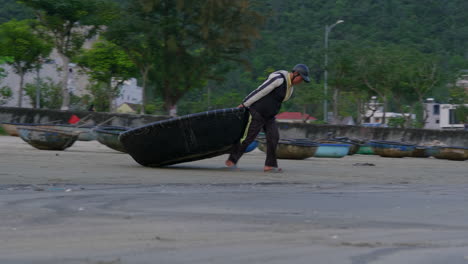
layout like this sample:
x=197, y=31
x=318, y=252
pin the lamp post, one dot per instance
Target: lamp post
x=325, y=107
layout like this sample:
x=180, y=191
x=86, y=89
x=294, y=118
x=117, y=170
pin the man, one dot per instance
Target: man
x=264, y=104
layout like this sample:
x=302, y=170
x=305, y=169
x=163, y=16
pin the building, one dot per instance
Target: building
x=130, y=93
x=295, y=117
x=441, y=116
x=374, y=114
x=128, y=108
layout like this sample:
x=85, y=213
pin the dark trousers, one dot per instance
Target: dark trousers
x=257, y=123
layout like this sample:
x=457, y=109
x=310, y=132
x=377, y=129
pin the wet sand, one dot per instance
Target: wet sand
x=90, y=204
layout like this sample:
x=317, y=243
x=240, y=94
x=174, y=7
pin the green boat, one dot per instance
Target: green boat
x=47, y=139
x=109, y=136
x=365, y=149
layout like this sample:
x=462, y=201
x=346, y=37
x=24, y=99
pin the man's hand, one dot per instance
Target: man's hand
x=240, y=106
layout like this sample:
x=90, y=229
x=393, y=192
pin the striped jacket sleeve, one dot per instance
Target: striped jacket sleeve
x=264, y=89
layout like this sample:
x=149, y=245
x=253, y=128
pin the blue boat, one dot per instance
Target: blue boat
x=332, y=150
x=392, y=149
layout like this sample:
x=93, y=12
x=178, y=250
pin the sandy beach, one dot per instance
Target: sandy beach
x=91, y=204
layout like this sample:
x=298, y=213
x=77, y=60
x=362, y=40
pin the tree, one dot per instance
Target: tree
x=108, y=64
x=70, y=23
x=50, y=93
x=24, y=47
x=379, y=69
x=184, y=42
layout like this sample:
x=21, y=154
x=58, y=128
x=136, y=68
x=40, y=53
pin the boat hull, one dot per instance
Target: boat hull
x=186, y=138
x=391, y=149
x=292, y=149
x=47, y=139
x=109, y=136
x=450, y=153
x=332, y=150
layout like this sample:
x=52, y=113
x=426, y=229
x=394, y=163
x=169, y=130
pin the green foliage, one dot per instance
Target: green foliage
x=2, y=131
x=10, y=9
x=184, y=42
x=70, y=23
x=459, y=96
x=100, y=99
x=50, y=93
x=5, y=94
x=108, y=64
x=21, y=44
x=398, y=122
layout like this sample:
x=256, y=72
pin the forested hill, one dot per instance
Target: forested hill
x=10, y=9
x=434, y=32
x=297, y=26
x=430, y=25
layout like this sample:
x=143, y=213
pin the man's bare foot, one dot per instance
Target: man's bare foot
x=229, y=163
x=272, y=169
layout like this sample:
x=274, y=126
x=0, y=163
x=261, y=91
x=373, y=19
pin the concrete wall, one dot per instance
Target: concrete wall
x=28, y=115
x=416, y=136
x=287, y=130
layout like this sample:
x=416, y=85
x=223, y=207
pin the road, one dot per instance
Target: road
x=92, y=205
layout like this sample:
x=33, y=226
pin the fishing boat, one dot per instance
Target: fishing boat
x=392, y=149
x=365, y=149
x=85, y=132
x=421, y=152
x=185, y=138
x=450, y=153
x=109, y=136
x=10, y=128
x=46, y=138
x=332, y=150
x=298, y=149
x=354, y=145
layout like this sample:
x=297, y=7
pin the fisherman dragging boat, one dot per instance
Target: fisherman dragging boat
x=263, y=105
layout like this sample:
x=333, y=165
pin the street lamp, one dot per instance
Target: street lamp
x=327, y=31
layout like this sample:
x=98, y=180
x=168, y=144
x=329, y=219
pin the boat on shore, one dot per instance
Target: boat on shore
x=332, y=150
x=109, y=136
x=185, y=138
x=85, y=132
x=10, y=128
x=392, y=149
x=297, y=149
x=46, y=138
x=450, y=153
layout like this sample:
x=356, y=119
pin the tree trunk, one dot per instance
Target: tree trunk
x=110, y=94
x=144, y=73
x=20, y=91
x=65, y=92
x=359, y=111
x=336, y=95
x=384, y=110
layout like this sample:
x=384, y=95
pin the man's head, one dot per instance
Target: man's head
x=300, y=72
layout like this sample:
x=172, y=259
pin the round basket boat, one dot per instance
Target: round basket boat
x=109, y=136
x=185, y=138
x=47, y=139
x=450, y=153
x=421, y=152
x=297, y=149
x=392, y=149
x=365, y=149
x=332, y=150
x=353, y=145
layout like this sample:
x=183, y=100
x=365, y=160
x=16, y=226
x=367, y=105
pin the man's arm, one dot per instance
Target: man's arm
x=264, y=89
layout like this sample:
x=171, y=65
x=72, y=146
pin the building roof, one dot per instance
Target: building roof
x=294, y=116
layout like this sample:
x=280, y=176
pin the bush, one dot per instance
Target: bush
x=50, y=93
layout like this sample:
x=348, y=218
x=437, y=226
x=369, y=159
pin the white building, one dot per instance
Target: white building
x=374, y=113
x=130, y=92
x=441, y=116
x=77, y=81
